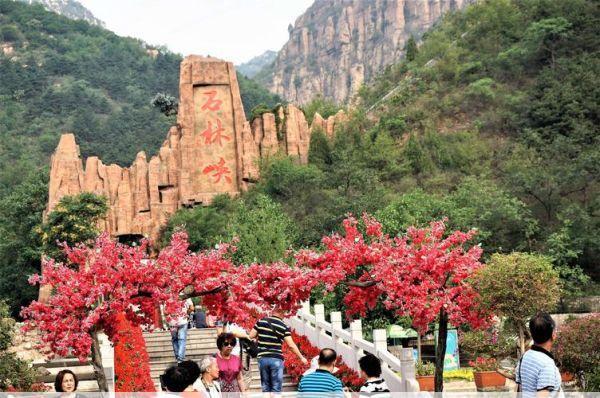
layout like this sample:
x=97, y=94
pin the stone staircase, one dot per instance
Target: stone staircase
x=200, y=342
x=84, y=371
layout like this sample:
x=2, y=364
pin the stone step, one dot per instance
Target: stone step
x=189, y=354
x=68, y=362
x=192, y=333
x=286, y=386
x=190, y=345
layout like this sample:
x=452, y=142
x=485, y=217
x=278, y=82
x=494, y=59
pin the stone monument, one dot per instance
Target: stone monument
x=212, y=150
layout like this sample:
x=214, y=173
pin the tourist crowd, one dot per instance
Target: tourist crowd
x=222, y=374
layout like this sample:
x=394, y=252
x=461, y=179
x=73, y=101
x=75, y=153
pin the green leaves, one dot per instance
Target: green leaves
x=517, y=285
x=73, y=220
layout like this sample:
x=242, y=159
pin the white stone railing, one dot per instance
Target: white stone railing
x=351, y=345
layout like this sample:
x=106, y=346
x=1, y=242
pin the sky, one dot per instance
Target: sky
x=234, y=30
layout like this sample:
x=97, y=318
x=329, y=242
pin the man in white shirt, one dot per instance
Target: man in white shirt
x=179, y=327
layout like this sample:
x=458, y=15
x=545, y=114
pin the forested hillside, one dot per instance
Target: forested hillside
x=60, y=75
x=492, y=121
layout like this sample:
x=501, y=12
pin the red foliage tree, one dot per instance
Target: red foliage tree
x=423, y=274
x=110, y=279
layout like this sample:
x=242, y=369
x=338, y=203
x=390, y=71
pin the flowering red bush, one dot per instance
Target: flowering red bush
x=132, y=373
x=577, y=347
x=349, y=377
x=481, y=364
x=35, y=387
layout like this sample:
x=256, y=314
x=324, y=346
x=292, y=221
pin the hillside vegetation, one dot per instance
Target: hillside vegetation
x=60, y=75
x=492, y=121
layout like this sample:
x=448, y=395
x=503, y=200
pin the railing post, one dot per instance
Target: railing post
x=319, y=317
x=379, y=340
x=305, y=307
x=336, y=324
x=407, y=368
x=357, y=334
x=304, y=310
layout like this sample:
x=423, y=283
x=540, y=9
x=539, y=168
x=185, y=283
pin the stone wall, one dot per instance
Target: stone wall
x=211, y=150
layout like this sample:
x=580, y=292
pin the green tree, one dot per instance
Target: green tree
x=205, y=225
x=320, y=105
x=20, y=245
x=411, y=49
x=516, y=286
x=73, y=220
x=264, y=231
x=14, y=372
x=319, y=152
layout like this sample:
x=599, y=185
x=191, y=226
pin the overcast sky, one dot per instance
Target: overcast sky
x=234, y=30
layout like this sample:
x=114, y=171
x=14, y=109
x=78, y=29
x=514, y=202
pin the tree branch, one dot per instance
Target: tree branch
x=188, y=292
x=362, y=284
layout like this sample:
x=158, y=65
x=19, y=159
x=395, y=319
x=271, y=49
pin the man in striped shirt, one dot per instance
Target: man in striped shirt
x=271, y=333
x=536, y=373
x=322, y=380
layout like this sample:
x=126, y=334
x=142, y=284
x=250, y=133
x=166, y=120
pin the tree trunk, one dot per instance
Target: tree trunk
x=97, y=361
x=419, y=347
x=440, y=352
x=521, y=338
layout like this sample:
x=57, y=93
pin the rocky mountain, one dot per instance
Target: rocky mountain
x=337, y=45
x=69, y=8
x=253, y=66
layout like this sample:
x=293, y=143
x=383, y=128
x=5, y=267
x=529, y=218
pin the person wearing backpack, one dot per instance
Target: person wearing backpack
x=271, y=333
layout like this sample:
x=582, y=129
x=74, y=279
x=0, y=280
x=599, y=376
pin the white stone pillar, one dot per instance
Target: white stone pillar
x=319, y=317
x=357, y=334
x=380, y=339
x=336, y=324
x=407, y=367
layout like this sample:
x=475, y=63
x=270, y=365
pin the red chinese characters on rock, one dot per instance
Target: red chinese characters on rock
x=211, y=136
x=211, y=103
x=218, y=171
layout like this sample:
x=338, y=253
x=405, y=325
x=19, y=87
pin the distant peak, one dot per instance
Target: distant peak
x=71, y=9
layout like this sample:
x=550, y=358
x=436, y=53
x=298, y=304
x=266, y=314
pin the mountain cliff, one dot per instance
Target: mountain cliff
x=336, y=45
x=69, y=8
x=254, y=65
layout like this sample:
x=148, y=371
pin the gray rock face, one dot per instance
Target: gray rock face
x=253, y=66
x=69, y=8
x=336, y=45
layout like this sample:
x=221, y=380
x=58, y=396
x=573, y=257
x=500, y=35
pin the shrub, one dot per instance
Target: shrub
x=425, y=368
x=459, y=374
x=349, y=377
x=482, y=364
x=516, y=286
x=132, y=370
x=577, y=348
x=15, y=374
x=489, y=343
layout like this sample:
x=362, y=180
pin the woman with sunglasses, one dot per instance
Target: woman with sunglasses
x=230, y=366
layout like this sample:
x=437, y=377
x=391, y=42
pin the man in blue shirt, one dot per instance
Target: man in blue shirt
x=322, y=380
x=537, y=374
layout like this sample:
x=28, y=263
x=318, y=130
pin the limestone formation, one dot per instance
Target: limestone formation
x=212, y=150
x=337, y=45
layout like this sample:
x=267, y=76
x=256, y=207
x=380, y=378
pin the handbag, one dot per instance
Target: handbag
x=250, y=347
